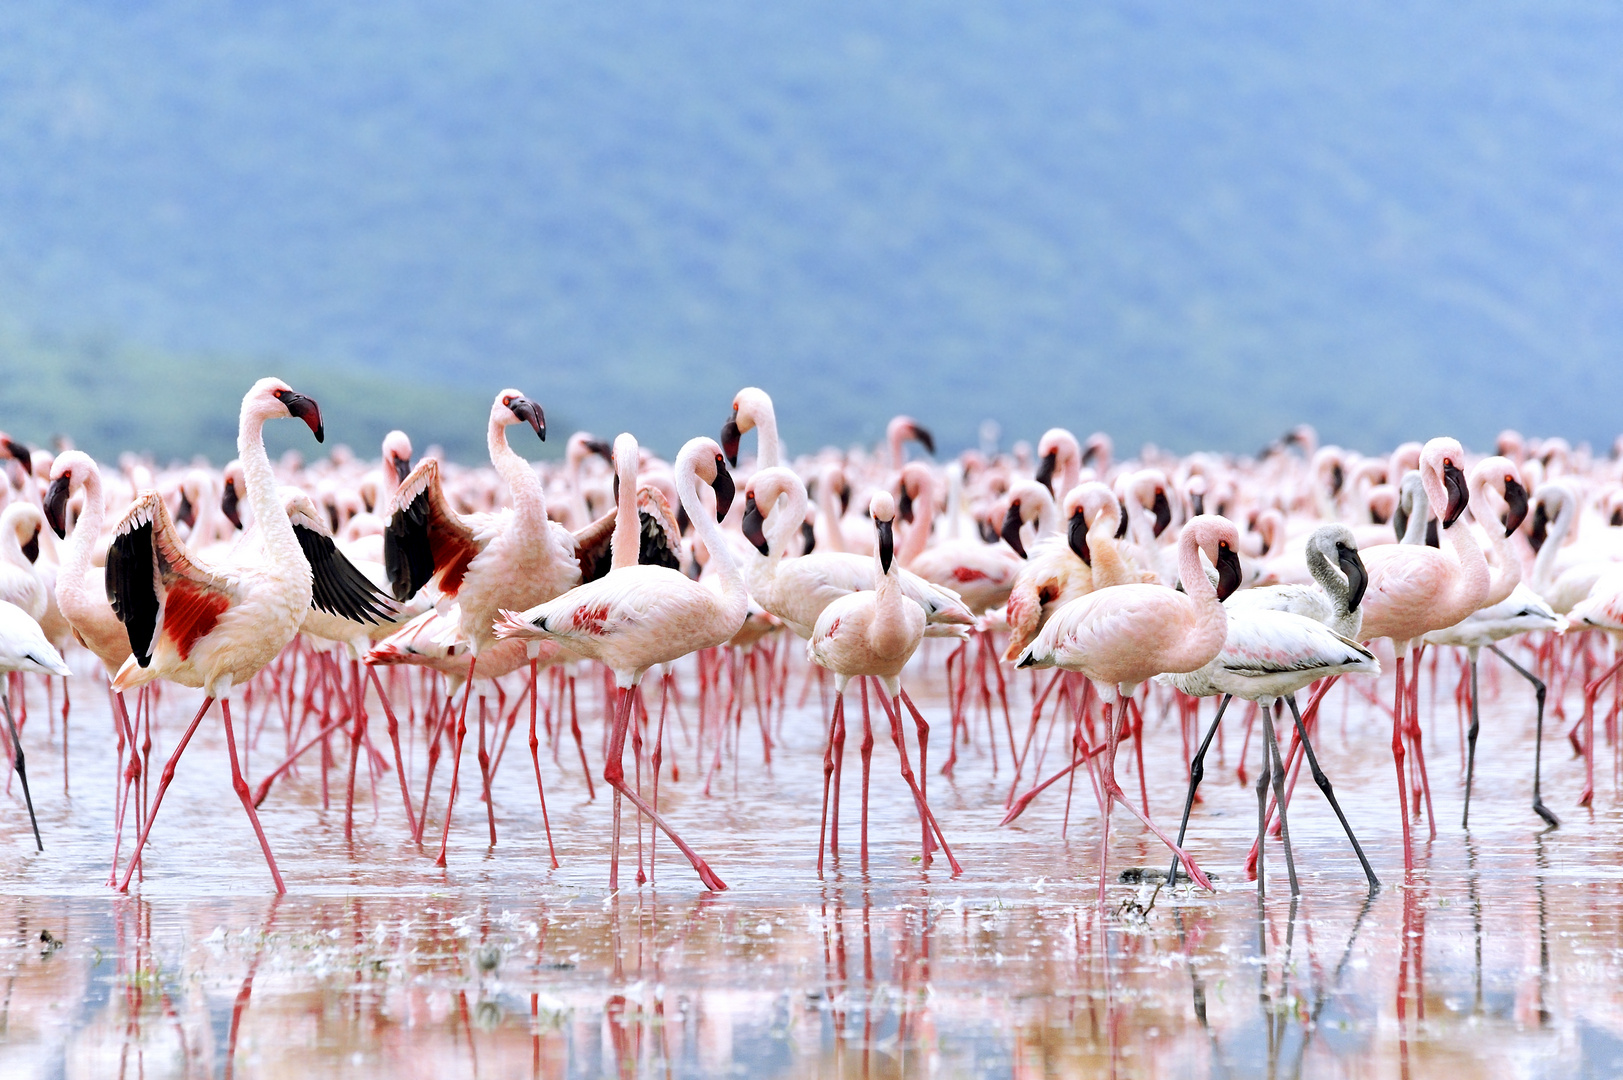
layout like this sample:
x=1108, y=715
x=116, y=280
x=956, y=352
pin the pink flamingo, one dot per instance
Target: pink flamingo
x=1124, y=635
x=1415, y=589
x=212, y=627
x=637, y=617
x=874, y=634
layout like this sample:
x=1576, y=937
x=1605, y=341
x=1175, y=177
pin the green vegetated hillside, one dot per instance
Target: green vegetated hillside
x=109, y=397
x=1195, y=224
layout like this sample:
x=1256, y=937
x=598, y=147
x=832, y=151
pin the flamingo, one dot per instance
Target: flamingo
x=1125, y=634
x=212, y=627
x=1058, y=452
x=1060, y=568
x=484, y=562
x=23, y=647
x=1414, y=589
x=874, y=633
x=81, y=594
x=636, y=617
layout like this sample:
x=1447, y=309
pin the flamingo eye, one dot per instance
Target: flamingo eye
x=507, y=401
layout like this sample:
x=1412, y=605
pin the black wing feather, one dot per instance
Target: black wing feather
x=653, y=546
x=338, y=588
x=132, y=588
x=407, y=555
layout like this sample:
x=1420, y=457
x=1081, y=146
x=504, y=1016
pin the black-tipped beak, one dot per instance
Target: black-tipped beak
x=1400, y=521
x=723, y=485
x=887, y=545
x=1337, y=478
x=1077, y=536
x=1011, y=530
x=1432, y=539
x=752, y=523
x=31, y=549
x=682, y=520
x=988, y=534
x=1357, y=576
x=1515, y=505
x=808, y=538
x=1228, y=571
x=1197, y=503
x=1045, y=470
x=601, y=449
x=1121, y=526
x=1541, y=527
x=729, y=439
x=187, y=514
x=401, y=466
x=1163, y=511
x=56, y=506
x=904, y=504
x=529, y=412
x=18, y=451
x=1617, y=518
x=303, y=408
x=1459, y=494
x=228, y=505
x=925, y=439
x=845, y=496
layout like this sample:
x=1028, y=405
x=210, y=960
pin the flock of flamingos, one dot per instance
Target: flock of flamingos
x=304, y=590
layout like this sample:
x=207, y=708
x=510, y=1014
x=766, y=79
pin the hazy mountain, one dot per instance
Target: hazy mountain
x=1193, y=224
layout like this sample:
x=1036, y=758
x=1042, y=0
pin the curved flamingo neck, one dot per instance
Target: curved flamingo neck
x=828, y=504
x=767, y=452
x=522, y=483
x=260, y=480
x=918, y=537
x=1506, y=572
x=1190, y=572
x=784, y=519
x=86, y=530
x=1544, y=564
x=1472, y=585
x=1109, y=568
x=721, y=554
x=627, y=527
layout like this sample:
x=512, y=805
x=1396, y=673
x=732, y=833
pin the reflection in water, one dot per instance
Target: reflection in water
x=1496, y=954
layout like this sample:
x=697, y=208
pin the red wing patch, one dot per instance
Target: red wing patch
x=189, y=614
x=968, y=573
x=452, y=552
x=590, y=619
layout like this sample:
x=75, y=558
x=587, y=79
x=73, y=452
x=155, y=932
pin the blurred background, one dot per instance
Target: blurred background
x=1191, y=224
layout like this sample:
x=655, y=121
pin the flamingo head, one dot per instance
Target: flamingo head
x=1500, y=473
x=397, y=454
x=882, y=508
x=1444, y=478
x=1056, y=449
x=69, y=471
x=902, y=428
x=1220, y=541
x=703, y=458
x=271, y=399
x=15, y=450
x=512, y=407
x=748, y=406
x=230, y=500
x=1338, y=545
x=916, y=482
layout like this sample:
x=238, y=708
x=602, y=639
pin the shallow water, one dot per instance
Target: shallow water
x=1500, y=957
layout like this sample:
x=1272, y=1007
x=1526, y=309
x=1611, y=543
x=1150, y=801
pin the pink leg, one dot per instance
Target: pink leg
x=614, y=773
x=828, y=775
x=1397, y=759
x=484, y=770
x=923, y=731
x=163, y=785
x=926, y=815
x=359, y=690
x=574, y=727
x=535, y=758
x=394, y=739
x=866, y=750
x=241, y=786
x=456, y=761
